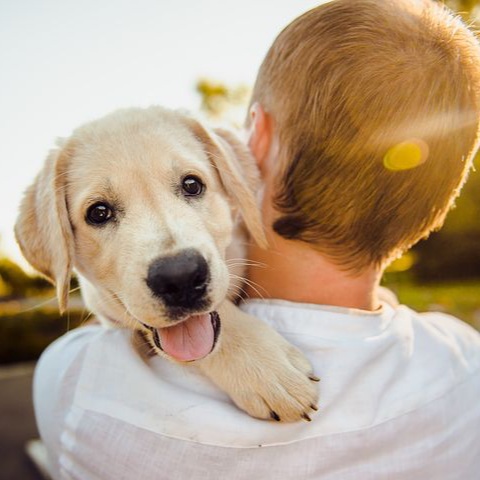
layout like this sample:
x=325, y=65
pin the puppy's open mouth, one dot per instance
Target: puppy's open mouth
x=192, y=339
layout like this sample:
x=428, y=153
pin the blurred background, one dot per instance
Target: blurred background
x=64, y=63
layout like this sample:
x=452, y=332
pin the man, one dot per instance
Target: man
x=364, y=122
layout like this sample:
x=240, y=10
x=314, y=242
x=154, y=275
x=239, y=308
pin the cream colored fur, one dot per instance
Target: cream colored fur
x=135, y=158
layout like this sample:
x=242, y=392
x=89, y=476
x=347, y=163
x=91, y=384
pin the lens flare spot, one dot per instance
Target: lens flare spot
x=406, y=155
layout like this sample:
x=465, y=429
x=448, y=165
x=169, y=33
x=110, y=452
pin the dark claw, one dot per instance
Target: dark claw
x=313, y=378
x=306, y=417
x=274, y=416
x=314, y=407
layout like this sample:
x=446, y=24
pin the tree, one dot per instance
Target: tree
x=14, y=282
x=220, y=101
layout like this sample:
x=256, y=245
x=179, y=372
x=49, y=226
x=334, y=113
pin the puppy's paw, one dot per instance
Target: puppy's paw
x=277, y=384
x=263, y=374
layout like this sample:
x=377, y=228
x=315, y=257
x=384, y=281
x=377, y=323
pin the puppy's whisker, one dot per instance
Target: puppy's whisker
x=240, y=262
x=253, y=285
x=257, y=291
x=241, y=259
x=52, y=299
x=238, y=287
x=241, y=292
x=256, y=288
x=87, y=318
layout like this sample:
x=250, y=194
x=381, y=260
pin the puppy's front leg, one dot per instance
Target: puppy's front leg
x=263, y=374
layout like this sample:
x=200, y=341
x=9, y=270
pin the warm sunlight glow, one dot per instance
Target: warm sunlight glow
x=406, y=155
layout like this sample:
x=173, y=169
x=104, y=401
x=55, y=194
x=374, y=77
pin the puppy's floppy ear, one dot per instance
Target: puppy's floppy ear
x=237, y=171
x=43, y=228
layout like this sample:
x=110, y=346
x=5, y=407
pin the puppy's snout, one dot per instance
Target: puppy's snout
x=180, y=280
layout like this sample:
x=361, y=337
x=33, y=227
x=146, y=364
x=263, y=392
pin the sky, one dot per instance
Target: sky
x=65, y=62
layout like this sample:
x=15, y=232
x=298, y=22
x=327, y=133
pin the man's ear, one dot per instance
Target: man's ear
x=259, y=136
x=43, y=229
x=237, y=171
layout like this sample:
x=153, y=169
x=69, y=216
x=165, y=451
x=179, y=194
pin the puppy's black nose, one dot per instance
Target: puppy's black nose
x=180, y=280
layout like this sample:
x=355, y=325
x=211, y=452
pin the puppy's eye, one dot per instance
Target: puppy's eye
x=99, y=213
x=192, y=186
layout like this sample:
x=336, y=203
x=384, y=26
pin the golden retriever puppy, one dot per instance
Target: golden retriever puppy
x=148, y=206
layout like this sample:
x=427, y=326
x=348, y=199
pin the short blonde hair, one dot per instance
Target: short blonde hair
x=345, y=84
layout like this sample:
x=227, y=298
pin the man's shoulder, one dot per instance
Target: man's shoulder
x=448, y=333
x=448, y=324
x=406, y=358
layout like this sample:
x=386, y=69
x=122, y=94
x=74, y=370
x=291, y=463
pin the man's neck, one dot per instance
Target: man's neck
x=290, y=270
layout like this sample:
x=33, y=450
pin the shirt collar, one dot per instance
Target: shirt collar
x=320, y=320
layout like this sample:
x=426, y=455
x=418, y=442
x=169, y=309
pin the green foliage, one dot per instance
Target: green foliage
x=460, y=299
x=217, y=98
x=448, y=256
x=465, y=215
x=24, y=335
x=14, y=282
x=454, y=252
x=464, y=7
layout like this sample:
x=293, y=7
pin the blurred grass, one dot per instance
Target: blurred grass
x=460, y=299
x=25, y=333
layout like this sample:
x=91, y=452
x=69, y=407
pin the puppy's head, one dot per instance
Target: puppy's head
x=142, y=204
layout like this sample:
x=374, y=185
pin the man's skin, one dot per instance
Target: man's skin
x=291, y=270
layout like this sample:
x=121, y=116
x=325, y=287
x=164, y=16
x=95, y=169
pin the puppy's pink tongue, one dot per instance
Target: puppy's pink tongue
x=189, y=340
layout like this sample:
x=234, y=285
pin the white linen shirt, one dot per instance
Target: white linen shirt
x=400, y=399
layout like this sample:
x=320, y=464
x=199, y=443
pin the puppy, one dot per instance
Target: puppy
x=151, y=209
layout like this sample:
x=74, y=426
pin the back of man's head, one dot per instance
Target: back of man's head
x=375, y=105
